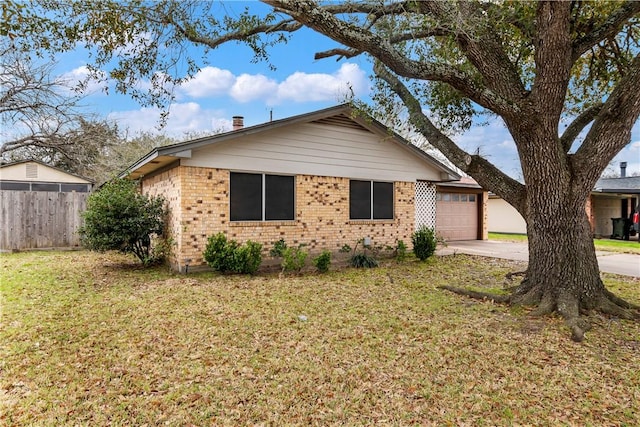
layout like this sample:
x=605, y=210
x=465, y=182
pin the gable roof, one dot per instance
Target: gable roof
x=628, y=185
x=10, y=172
x=341, y=115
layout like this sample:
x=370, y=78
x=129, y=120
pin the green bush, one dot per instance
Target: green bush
x=424, y=243
x=119, y=218
x=278, y=249
x=322, y=261
x=345, y=249
x=293, y=259
x=401, y=250
x=227, y=256
x=362, y=260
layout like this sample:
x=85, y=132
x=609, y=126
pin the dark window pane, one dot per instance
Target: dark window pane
x=39, y=186
x=382, y=200
x=360, y=199
x=80, y=188
x=472, y=197
x=246, y=197
x=279, y=196
x=22, y=186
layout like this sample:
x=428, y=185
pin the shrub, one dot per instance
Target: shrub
x=424, y=243
x=293, y=259
x=278, y=249
x=345, y=249
x=362, y=260
x=227, y=256
x=119, y=218
x=401, y=250
x=322, y=261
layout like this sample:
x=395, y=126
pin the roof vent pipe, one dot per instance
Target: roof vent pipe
x=623, y=169
x=238, y=122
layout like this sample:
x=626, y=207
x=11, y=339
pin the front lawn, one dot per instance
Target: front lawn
x=91, y=339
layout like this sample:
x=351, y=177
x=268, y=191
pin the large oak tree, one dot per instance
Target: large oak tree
x=564, y=77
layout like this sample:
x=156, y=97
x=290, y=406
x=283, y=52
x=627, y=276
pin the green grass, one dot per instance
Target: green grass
x=508, y=237
x=91, y=339
x=607, y=245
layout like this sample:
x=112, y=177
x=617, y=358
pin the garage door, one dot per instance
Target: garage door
x=457, y=216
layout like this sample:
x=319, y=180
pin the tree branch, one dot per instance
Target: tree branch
x=611, y=129
x=284, y=26
x=573, y=130
x=608, y=29
x=323, y=21
x=487, y=175
x=481, y=46
x=552, y=59
x=417, y=35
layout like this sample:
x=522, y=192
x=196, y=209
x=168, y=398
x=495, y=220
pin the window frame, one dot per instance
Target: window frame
x=372, y=201
x=263, y=197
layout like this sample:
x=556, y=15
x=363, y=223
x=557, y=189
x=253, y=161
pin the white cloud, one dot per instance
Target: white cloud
x=298, y=87
x=248, y=87
x=184, y=118
x=208, y=82
x=301, y=87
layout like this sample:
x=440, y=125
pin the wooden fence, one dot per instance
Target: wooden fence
x=40, y=219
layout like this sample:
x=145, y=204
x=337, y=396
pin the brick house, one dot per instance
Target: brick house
x=322, y=179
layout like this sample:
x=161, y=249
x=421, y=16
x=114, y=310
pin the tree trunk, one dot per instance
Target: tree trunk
x=563, y=273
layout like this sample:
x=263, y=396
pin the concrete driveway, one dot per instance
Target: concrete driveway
x=610, y=262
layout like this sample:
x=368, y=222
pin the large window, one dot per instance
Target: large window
x=370, y=200
x=261, y=197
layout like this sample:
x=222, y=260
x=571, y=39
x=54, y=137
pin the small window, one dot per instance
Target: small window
x=446, y=197
x=41, y=186
x=260, y=197
x=80, y=188
x=246, y=197
x=18, y=186
x=370, y=200
x=438, y=196
x=463, y=197
x=472, y=197
x=279, y=198
x=382, y=200
x=455, y=197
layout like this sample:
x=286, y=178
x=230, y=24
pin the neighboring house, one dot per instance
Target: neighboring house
x=323, y=179
x=611, y=199
x=504, y=218
x=41, y=206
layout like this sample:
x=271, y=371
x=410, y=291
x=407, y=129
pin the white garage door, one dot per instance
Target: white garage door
x=457, y=216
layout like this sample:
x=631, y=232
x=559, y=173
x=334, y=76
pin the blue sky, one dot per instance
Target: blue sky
x=232, y=85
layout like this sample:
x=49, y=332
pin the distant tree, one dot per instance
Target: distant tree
x=533, y=65
x=119, y=218
x=116, y=157
x=42, y=119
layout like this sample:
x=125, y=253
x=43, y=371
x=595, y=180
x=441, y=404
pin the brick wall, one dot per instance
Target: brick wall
x=167, y=184
x=322, y=214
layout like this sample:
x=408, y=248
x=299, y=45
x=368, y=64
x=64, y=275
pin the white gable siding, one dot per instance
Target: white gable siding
x=317, y=149
x=36, y=172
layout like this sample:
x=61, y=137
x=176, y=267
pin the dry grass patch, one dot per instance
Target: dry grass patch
x=90, y=339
